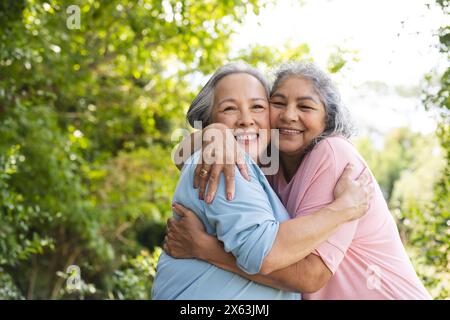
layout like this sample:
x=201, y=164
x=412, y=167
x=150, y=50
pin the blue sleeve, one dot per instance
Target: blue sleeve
x=246, y=225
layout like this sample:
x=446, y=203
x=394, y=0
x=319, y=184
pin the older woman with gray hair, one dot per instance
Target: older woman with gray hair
x=255, y=231
x=363, y=258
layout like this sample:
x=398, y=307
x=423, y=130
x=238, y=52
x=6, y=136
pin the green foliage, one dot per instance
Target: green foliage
x=404, y=154
x=414, y=173
x=135, y=280
x=8, y=290
x=432, y=234
x=86, y=117
x=265, y=58
x=45, y=206
x=340, y=57
x=410, y=168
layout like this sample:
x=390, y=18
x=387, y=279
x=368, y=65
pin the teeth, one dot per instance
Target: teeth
x=290, y=131
x=246, y=137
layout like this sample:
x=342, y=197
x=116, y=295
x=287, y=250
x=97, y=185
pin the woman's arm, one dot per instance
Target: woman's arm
x=187, y=238
x=306, y=276
x=298, y=237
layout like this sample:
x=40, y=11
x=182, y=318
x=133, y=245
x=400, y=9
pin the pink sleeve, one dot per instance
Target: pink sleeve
x=324, y=166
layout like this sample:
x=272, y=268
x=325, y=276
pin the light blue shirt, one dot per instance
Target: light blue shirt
x=247, y=226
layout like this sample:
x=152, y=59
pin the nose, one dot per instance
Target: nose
x=245, y=119
x=289, y=114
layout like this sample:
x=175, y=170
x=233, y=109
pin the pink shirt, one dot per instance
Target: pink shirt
x=366, y=256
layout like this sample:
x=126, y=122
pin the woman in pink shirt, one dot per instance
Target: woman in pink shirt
x=363, y=259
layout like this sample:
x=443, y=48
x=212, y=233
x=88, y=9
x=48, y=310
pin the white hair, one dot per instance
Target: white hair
x=201, y=107
x=338, y=121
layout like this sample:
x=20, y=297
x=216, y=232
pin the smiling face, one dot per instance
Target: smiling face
x=240, y=102
x=297, y=111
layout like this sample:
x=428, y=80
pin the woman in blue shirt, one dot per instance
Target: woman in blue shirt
x=237, y=96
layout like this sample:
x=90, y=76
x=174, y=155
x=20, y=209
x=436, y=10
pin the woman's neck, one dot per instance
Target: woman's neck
x=290, y=164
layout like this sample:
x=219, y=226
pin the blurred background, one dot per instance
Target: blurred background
x=91, y=92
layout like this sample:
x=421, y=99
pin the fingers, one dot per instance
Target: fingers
x=370, y=190
x=365, y=180
x=213, y=182
x=202, y=167
x=172, y=225
x=242, y=166
x=229, y=181
x=346, y=174
x=365, y=177
x=204, y=180
x=182, y=211
x=201, y=172
x=229, y=173
x=369, y=194
x=171, y=246
x=179, y=209
x=197, y=170
x=166, y=246
x=244, y=171
x=171, y=234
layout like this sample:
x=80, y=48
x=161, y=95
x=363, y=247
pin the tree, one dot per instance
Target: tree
x=432, y=232
x=408, y=168
x=86, y=117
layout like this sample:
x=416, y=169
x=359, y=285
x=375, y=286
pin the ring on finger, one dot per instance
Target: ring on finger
x=203, y=173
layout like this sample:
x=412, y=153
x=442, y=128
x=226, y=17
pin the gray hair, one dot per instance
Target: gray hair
x=200, y=109
x=338, y=121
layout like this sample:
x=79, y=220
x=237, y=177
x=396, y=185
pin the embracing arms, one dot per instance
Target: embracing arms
x=308, y=275
x=187, y=239
x=289, y=264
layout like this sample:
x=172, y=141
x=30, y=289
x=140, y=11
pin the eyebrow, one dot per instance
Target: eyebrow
x=298, y=99
x=234, y=100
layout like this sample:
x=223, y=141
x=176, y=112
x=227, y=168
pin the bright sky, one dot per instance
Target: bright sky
x=396, y=45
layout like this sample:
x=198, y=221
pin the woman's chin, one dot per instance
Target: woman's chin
x=290, y=148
